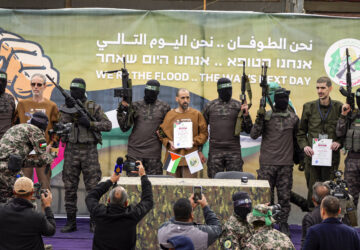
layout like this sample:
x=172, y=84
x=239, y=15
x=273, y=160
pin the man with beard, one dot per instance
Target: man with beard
x=81, y=153
x=278, y=129
x=199, y=131
x=7, y=105
x=319, y=120
x=221, y=115
x=146, y=117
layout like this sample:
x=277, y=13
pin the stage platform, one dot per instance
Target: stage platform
x=82, y=239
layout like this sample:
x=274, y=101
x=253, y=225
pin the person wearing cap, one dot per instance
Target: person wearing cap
x=331, y=233
x=38, y=103
x=182, y=224
x=265, y=236
x=15, y=146
x=184, y=113
x=21, y=225
x=221, y=115
x=318, y=121
x=278, y=128
x=236, y=230
x=7, y=105
x=145, y=116
x=81, y=155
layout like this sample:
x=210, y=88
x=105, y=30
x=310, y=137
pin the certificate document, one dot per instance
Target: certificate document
x=183, y=134
x=322, y=152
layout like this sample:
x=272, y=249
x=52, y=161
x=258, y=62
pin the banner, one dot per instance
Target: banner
x=188, y=49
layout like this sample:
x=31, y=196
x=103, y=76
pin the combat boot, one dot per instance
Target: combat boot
x=284, y=228
x=92, y=225
x=70, y=224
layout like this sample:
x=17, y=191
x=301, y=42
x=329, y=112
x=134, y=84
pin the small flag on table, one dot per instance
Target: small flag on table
x=172, y=162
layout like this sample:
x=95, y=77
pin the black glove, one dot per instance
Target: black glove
x=70, y=102
x=84, y=121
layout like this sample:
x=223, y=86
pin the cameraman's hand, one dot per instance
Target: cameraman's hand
x=124, y=103
x=203, y=202
x=192, y=202
x=46, y=201
x=141, y=169
x=115, y=178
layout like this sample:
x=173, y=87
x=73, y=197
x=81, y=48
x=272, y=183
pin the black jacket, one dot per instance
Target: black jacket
x=310, y=219
x=116, y=225
x=21, y=226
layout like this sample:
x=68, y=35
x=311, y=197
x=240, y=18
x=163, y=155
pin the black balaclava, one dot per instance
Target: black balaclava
x=40, y=120
x=152, y=89
x=242, y=204
x=224, y=89
x=3, y=81
x=281, y=99
x=357, y=96
x=77, y=88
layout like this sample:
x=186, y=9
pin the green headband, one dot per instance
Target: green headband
x=3, y=76
x=267, y=216
x=154, y=88
x=77, y=85
x=224, y=85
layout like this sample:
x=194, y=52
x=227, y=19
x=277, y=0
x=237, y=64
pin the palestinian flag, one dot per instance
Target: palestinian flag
x=43, y=145
x=172, y=162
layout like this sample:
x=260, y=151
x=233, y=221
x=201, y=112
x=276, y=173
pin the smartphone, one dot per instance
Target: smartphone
x=197, y=190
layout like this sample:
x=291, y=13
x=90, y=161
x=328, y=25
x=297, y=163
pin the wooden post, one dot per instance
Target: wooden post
x=204, y=4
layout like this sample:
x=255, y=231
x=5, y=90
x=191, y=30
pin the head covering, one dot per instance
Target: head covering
x=40, y=120
x=3, y=81
x=272, y=87
x=152, y=89
x=281, y=99
x=242, y=204
x=78, y=88
x=224, y=89
x=261, y=212
x=181, y=243
x=23, y=185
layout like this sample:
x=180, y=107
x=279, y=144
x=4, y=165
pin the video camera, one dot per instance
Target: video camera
x=60, y=130
x=338, y=187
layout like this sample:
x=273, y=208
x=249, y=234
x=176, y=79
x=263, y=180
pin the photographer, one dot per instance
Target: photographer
x=22, y=226
x=237, y=230
x=116, y=222
x=183, y=224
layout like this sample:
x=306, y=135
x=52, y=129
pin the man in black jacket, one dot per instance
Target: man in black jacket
x=116, y=222
x=22, y=226
x=320, y=190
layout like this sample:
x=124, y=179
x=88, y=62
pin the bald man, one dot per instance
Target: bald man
x=116, y=222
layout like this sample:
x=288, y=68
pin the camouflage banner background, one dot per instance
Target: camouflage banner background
x=190, y=49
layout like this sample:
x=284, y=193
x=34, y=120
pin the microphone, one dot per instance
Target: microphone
x=112, y=71
x=119, y=165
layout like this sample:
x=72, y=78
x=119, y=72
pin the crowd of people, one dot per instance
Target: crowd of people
x=25, y=144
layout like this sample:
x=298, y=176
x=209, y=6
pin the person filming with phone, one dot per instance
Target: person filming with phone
x=202, y=236
x=116, y=222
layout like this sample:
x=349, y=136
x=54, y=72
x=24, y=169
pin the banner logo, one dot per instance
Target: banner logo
x=335, y=61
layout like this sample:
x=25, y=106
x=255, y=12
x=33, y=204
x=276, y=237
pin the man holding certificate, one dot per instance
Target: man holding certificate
x=183, y=131
x=317, y=136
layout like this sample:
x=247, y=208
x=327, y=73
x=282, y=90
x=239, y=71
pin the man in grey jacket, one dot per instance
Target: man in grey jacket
x=183, y=224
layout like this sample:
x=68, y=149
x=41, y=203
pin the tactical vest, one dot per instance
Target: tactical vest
x=80, y=134
x=270, y=114
x=352, y=140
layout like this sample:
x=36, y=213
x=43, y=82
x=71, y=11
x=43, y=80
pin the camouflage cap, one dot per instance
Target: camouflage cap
x=261, y=212
x=23, y=185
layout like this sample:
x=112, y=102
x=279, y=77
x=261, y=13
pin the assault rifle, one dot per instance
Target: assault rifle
x=126, y=91
x=265, y=88
x=243, y=86
x=348, y=92
x=78, y=108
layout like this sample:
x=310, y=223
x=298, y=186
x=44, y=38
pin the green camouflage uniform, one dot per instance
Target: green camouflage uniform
x=81, y=153
x=310, y=127
x=266, y=237
x=235, y=233
x=224, y=147
x=20, y=140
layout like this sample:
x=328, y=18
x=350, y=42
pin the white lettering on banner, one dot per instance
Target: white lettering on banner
x=116, y=58
x=191, y=60
x=293, y=64
x=170, y=76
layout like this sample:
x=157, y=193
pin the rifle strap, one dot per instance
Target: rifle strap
x=240, y=117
